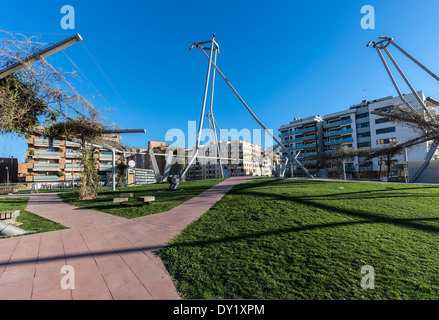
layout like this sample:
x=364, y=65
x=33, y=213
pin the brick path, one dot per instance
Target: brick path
x=112, y=257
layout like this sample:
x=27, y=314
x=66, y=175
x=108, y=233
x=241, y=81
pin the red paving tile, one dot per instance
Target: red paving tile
x=111, y=257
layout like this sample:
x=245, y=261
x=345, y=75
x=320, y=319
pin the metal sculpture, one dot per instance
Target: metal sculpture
x=212, y=63
x=382, y=45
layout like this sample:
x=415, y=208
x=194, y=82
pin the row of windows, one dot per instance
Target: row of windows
x=385, y=130
x=386, y=141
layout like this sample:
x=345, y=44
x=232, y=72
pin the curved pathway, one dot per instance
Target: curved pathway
x=108, y=257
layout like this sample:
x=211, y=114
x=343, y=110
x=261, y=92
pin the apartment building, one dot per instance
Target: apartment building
x=51, y=160
x=303, y=138
x=240, y=157
x=356, y=127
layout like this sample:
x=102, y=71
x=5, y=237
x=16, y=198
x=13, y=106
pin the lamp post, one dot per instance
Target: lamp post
x=7, y=175
x=40, y=55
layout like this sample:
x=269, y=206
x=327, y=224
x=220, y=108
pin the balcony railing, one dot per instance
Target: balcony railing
x=301, y=139
x=73, y=154
x=105, y=167
x=333, y=133
x=72, y=177
x=46, y=178
x=303, y=146
x=337, y=123
x=298, y=131
x=46, y=155
x=46, y=166
x=43, y=142
x=105, y=156
x=72, y=144
x=73, y=167
x=337, y=141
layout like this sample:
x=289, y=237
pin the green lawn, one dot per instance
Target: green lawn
x=29, y=220
x=164, y=199
x=298, y=239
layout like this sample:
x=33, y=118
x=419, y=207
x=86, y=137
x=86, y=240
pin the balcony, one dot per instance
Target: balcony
x=46, y=167
x=69, y=177
x=304, y=130
x=103, y=156
x=73, y=155
x=338, y=141
x=337, y=123
x=303, y=154
x=303, y=146
x=105, y=167
x=44, y=142
x=298, y=131
x=73, y=167
x=72, y=144
x=301, y=139
x=46, y=155
x=337, y=132
x=308, y=162
x=46, y=178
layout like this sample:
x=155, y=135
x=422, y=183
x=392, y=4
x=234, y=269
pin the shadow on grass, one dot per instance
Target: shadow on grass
x=289, y=230
x=366, y=217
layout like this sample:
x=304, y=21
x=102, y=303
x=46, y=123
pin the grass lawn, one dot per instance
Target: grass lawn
x=29, y=220
x=164, y=199
x=298, y=239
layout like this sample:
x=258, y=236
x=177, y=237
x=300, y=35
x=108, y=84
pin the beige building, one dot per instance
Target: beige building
x=240, y=157
x=51, y=160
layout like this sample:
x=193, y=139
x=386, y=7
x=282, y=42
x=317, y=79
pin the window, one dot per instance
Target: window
x=363, y=134
x=385, y=109
x=385, y=130
x=386, y=141
x=366, y=164
x=364, y=144
x=363, y=125
x=362, y=115
x=382, y=120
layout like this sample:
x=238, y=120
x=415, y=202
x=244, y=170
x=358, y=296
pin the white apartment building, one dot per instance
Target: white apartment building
x=356, y=128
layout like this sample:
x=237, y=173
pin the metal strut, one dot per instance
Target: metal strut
x=214, y=49
x=382, y=45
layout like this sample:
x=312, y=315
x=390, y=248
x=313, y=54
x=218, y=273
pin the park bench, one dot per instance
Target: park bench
x=120, y=200
x=126, y=195
x=9, y=216
x=146, y=199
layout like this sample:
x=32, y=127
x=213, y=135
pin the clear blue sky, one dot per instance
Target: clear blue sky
x=285, y=58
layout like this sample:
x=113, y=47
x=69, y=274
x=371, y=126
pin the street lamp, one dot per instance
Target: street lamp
x=7, y=175
x=40, y=55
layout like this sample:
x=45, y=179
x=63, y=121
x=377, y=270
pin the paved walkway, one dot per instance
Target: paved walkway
x=112, y=257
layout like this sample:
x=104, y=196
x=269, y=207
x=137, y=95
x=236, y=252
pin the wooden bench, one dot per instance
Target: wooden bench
x=146, y=199
x=9, y=216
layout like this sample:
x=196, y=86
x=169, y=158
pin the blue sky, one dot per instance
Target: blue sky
x=285, y=58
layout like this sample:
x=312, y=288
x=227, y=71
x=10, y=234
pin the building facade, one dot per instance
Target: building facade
x=238, y=157
x=51, y=160
x=356, y=127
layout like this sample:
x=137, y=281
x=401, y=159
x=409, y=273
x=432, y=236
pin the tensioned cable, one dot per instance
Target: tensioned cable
x=108, y=80
x=99, y=94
